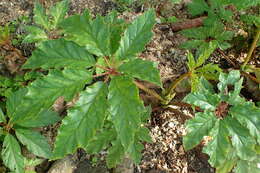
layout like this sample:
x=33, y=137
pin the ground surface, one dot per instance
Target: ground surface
x=166, y=153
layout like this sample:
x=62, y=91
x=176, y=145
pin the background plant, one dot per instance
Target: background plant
x=220, y=14
x=46, y=22
x=230, y=123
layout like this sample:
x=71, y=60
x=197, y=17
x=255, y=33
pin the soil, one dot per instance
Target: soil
x=166, y=154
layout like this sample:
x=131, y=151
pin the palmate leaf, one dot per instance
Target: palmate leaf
x=83, y=120
x=197, y=128
x=241, y=139
x=59, y=53
x=125, y=108
x=219, y=146
x=42, y=93
x=40, y=16
x=34, y=141
x=11, y=154
x=58, y=12
x=141, y=69
x=248, y=114
x=93, y=34
x=136, y=36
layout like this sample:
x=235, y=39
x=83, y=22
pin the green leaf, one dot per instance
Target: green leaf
x=82, y=121
x=14, y=100
x=100, y=141
x=234, y=97
x=241, y=140
x=197, y=128
x=36, y=34
x=136, y=36
x=34, y=141
x=197, y=7
x=43, y=118
x=144, y=135
x=245, y=166
x=58, y=12
x=59, y=53
x=228, y=79
x=115, y=154
x=206, y=86
x=191, y=61
x=209, y=71
x=2, y=117
x=248, y=114
x=211, y=46
x=117, y=27
x=142, y=69
x=57, y=83
x=219, y=146
x=135, y=152
x=11, y=154
x=228, y=165
x=40, y=16
x=207, y=101
x=93, y=34
x=125, y=108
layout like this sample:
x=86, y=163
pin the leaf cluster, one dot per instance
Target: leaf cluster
x=219, y=12
x=96, y=63
x=46, y=22
x=229, y=122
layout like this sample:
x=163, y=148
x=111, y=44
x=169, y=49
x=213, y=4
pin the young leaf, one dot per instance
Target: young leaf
x=57, y=83
x=115, y=154
x=142, y=69
x=125, y=108
x=136, y=36
x=59, y=11
x=191, y=61
x=93, y=34
x=2, y=116
x=58, y=54
x=219, y=146
x=241, y=139
x=34, y=141
x=11, y=154
x=36, y=34
x=197, y=128
x=83, y=120
x=40, y=16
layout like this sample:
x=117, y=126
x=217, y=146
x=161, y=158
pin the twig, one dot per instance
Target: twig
x=251, y=77
x=187, y=24
x=147, y=90
x=170, y=90
x=252, y=48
